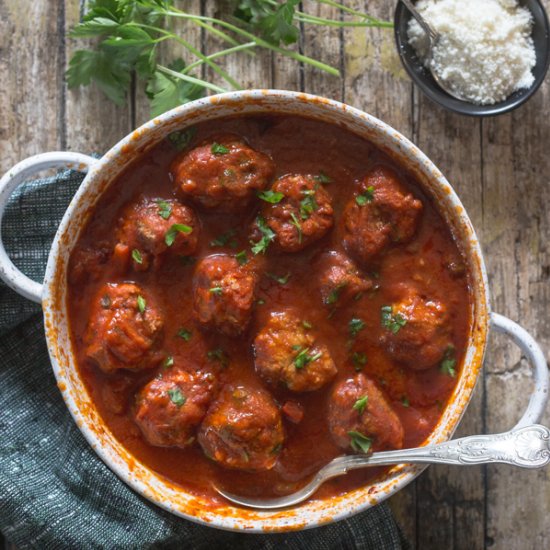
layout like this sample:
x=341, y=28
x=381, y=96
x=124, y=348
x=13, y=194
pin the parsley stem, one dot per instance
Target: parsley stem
x=351, y=11
x=221, y=53
x=191, y=79
x=216, y=68
x=314, y=20
x=260, y=42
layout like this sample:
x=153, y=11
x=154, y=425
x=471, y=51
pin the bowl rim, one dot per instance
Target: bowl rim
x=130, y=470
x=463, y=107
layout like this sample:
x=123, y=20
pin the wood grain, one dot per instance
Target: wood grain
x=498, y=166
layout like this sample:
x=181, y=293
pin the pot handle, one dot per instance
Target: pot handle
x=10, y=274
x=535, y=356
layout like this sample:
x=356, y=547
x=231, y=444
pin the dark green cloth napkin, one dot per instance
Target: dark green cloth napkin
x=55, y=493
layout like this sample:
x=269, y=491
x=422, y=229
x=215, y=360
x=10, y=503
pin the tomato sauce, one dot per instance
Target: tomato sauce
x=297, y=145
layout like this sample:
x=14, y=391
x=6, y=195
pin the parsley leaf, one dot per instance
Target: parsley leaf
x=394, y=323
x=181, y=139
x=165, y=209
x=176, y=228
x=322, y=178
x=359, y=360
x=219, y=149
x=356, y=326
x=185, y=334
x=365, y=197
x=241, y=257
x=303, y=358
x=268, y=235
x=361, y=404
x=360, y=443
x=308, y=205
x=334, y=295
x=270, y=196
x=177, y=397
x=136, y=256
x=281, y=280
x=297, y=225
x=218, y=355
x=218, y=290
x=405, y=401
x=448, y=363
x=141, y=303
x=168, y=362
x=225, y=239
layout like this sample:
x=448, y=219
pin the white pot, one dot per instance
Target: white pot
x=52, y=295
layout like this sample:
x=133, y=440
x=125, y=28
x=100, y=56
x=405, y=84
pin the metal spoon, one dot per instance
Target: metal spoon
x=433, y=38
x=527, y=447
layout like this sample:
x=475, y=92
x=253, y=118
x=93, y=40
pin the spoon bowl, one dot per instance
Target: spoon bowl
x=433, y=89
x=527, y=447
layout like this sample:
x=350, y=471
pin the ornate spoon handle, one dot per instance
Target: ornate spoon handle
x=527, y=447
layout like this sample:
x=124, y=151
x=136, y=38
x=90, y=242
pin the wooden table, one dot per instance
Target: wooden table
x=500, y=168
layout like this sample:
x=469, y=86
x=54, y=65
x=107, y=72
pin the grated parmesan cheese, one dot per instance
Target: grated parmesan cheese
x=485, y=52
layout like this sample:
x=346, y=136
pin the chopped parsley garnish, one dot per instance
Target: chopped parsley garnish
x=177, y=397
x=268, y=235
x=394, y=323
x=216, y=290
x=136, y=256
x=365, y=197
x=225, y=239
x=219, y=149
x=260, y=302
x=241, y=257
x=359, y=360
x=185, y=334
x=356, y=326
x=218, y=355
x=303, y=358
x=180, y=140
x=281, y=280
x=176, y=228
x=168, y=362
x=308, y=205
x=405, y=401
x=297, y=225
x=322, y=178
x=307, y=325
x=361, y=404
x=105, y=302
x=270, y=196
x=332, y=298
x=141, y=303
x=165, y=209
x=449, y=362
x=360, y=443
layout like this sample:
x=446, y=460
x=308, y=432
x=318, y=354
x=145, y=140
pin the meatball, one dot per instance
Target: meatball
x=417, y=331
x=360, y=418
x=149, y=229
x=302, y=216
x=170, y=407
x=286, y=352
x=340, y=281
x=223, y=173
x=223, y=294
x=124, y=329
x=243, y=429
x=383, y=212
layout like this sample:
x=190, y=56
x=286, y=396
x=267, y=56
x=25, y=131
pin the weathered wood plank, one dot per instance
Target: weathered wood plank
x=454, y=495
x=516, y=222
x=31, y=104
x=93, y=123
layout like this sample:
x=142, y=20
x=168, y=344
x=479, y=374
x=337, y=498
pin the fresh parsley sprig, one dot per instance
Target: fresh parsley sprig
x=130, y=33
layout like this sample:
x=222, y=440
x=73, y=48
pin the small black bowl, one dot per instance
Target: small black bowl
x=425, y=81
